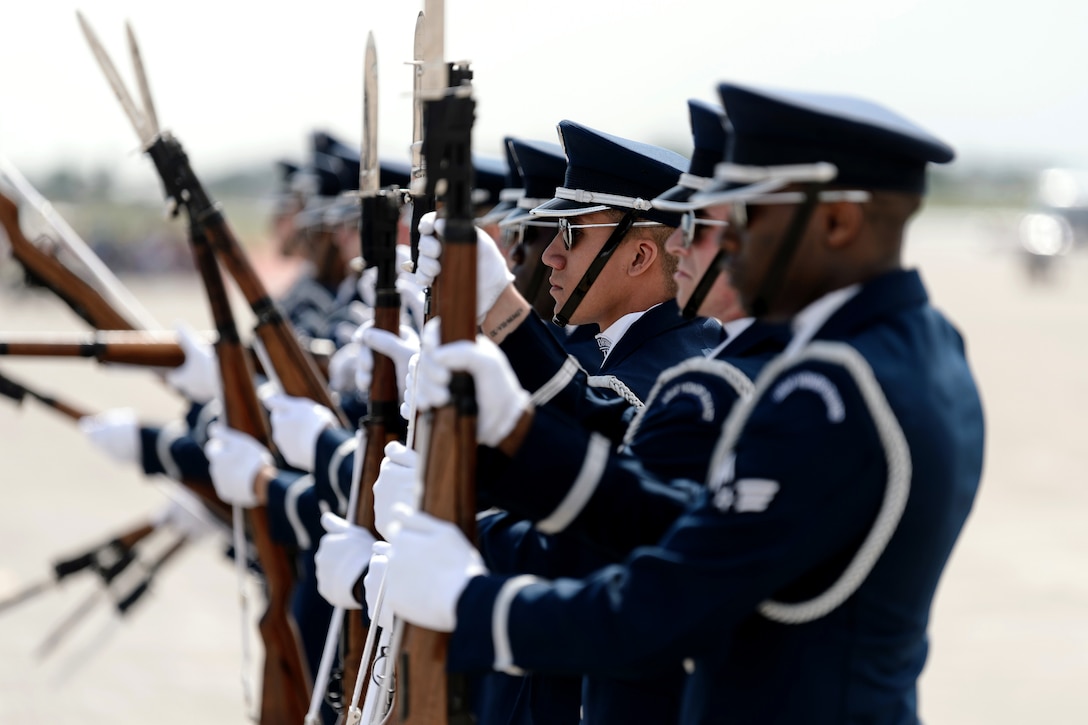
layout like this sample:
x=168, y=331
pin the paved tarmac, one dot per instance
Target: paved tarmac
x=1009, y=631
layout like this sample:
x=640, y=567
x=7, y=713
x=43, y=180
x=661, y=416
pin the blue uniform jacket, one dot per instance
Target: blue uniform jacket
x=659, y=339
x=602, y=396
x=797, y=588
x=672, y=436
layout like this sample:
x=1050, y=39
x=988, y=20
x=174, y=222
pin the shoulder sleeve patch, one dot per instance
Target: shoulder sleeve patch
x=694, y=390
x=807, y=380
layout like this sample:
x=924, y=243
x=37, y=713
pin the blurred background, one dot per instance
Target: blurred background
x=1001, y=245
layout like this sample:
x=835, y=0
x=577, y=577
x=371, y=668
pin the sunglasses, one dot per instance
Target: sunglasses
x=514, y=233
x=566, y=229
x=688, y=224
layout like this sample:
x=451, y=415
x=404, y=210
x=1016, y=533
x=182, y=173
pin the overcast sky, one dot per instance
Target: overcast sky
x=245, y=82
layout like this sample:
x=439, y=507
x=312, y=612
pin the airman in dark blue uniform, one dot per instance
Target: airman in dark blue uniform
x=671, y=436
x=796, y=586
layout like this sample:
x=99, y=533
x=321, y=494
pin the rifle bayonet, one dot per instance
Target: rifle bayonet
x=369, y=168
x=141, y=121
x=418, y=170
x=435, y=79
x=150, y=116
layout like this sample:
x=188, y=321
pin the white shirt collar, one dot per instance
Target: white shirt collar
x=733, y=329
x=608, y=338
x=808, y=321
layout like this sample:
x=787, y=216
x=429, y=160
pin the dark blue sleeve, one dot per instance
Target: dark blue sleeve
x=591, y=490
x=334, y=460
x=786, y=509
x=557, y=380
x=294, y=511
x=512, y=546
x=173, y=453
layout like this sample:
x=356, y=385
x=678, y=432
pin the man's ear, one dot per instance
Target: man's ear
x=843, y=221
x=646, y=253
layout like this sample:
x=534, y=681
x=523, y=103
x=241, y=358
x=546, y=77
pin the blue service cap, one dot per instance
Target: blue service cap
x=325, y=143
x=346, y=208
x=541, y=165
x=490, y=173
x=345, y=170
x=869, y=146
x=394, y=173
x=284, y=198
x=511, y=189
x=317, y=179
x=710, y=131
x=286, y=169
x=326, y=178
x=609, y=172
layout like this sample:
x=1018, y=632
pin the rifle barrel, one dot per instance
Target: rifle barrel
x=139, y=350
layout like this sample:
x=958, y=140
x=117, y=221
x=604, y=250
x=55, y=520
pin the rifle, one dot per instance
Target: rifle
x=123, y=347
x=119, y=346
x=427, y=694
x=107, y=559
x=18, y=392
x=286, y=680
x=122, y=603
x=46, y=268
x=380, y=215
x=103, y=278
x=294, y=368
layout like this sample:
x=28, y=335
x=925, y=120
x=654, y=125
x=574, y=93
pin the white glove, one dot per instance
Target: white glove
x=412, y=299
x=407, y=409
x=234, y=459
x=398, y=349
x=184, y=513
x=407, y=283
x=343, y=365
x=367, y=286
x=500, y=399
x=492, y=274
x=198, y=377
x=372, y=583
x=340, y=559
x=429, y=567
x=296, y=425
x=116, y=432
x=398, y=482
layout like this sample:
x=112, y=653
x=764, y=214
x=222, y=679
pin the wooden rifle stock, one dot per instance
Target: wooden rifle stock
x=85, y=300
x=286, y=681
x=427, y=694
x=120, y=347
x=295, y=368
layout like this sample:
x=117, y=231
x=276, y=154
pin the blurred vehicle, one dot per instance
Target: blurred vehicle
x=1058, y=220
